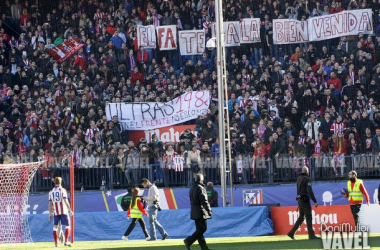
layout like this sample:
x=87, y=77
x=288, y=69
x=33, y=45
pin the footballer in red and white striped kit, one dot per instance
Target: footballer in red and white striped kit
x=59, y=205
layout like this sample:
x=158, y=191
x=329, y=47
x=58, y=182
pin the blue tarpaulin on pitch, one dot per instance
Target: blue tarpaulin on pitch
x=226, y=222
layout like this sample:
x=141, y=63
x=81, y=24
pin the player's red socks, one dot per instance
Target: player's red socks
x=67, y=234
x=55, y=235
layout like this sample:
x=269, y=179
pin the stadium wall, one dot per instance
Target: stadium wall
x=228, y=222
x=284, y=218
x=327, y=193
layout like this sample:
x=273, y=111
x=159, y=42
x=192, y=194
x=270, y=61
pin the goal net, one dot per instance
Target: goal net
x=15, y=180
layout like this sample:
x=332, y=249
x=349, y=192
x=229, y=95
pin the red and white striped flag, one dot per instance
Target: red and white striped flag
x=63, y=51
x=178, y=163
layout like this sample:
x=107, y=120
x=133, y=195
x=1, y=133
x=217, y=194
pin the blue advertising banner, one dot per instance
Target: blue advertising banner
x=327, y=193
x=226, y=222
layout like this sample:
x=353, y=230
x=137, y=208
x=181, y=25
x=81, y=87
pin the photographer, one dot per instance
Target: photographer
x=153, y=207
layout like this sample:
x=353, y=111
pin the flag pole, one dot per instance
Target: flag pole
x=222, y=105
x=72, y=196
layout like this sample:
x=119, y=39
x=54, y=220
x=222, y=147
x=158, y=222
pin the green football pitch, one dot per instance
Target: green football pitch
x=243, y=243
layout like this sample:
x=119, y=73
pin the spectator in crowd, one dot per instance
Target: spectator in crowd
x=326, y=124
x=312, y=127
x=337, y=126
x=277, y=147
x=194, y=161
x=364, y=123
x=88, y=160
x=376, y=143
x=169, y=164
x=209, y=133
x=338, y=147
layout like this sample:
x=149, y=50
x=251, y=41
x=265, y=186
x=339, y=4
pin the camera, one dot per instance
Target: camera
x=157, y=205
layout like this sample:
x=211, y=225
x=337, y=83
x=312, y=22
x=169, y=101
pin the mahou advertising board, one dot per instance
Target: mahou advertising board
x=284, y=218
x=167, y=134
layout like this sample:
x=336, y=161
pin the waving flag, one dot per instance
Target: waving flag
x=63, y=51
x=112, y=199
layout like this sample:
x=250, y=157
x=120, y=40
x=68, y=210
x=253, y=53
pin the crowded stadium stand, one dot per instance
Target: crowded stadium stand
x=312, y=104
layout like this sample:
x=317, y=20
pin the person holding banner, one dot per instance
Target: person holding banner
x=142, y=56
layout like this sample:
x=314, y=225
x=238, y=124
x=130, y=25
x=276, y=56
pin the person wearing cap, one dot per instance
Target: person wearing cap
x=355, y=193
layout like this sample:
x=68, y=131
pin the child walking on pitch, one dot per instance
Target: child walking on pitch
x=135, y=211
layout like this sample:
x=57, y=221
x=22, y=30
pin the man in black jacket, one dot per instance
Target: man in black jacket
x=304, y=194
x=200, y=212
x=277, y=146
x=209, y=133
x=364, y=123
x=276, y=150
x=212, y=195
x=376, y=143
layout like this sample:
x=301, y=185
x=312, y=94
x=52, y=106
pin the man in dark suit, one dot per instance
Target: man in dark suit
x=200, y=212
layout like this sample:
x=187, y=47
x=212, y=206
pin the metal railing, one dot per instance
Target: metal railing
x=245, y=170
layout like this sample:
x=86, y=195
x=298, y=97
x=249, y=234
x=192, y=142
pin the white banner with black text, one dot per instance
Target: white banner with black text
x=243, y=32
x=192, y=42
x=152, y=115
x=167, y=37
x=345, y=23
x=146, y=36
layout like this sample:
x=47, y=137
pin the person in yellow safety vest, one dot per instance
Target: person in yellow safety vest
x=135, y=211
x=355, y=192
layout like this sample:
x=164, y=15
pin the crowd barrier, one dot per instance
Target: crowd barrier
x=246, y=170
x=226, y=222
